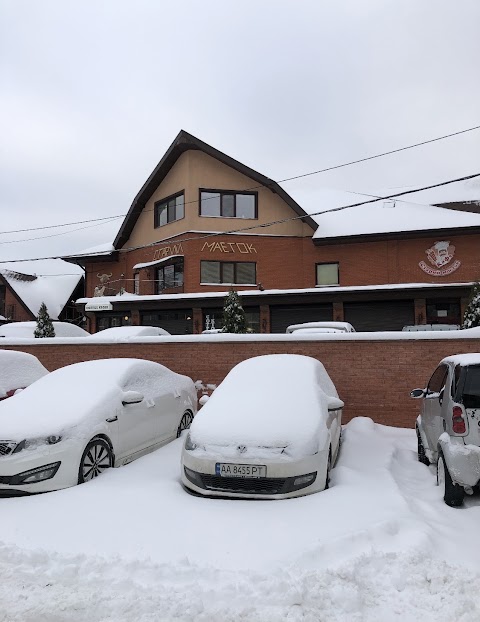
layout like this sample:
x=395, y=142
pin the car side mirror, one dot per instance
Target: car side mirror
x=416, y=393
x=132, y=397
x=440, y=396
x=334, y=403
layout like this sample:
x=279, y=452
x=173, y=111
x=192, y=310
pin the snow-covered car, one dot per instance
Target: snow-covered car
x=77, y=421
x=25, y=330
x=448, y=427
x=118, y=333
x=271, y=430
x=17, y=371
x=321, y=327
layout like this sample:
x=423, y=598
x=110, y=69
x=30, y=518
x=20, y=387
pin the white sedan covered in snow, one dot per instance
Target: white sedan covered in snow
x=79, y=420
x=17, y=371
x=271, y=430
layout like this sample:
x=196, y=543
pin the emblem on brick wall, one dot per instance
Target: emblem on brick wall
x=440, y=255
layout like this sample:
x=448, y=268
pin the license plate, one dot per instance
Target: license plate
x=240, y=470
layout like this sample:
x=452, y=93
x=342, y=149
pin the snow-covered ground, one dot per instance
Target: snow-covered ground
x=379, y=545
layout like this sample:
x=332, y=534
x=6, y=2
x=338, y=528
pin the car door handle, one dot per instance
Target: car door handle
x=111, y=419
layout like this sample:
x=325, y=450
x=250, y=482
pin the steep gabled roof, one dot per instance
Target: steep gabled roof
x=54, y=287
x=182, y=143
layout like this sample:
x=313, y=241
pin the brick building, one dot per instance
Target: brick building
x=203, y=222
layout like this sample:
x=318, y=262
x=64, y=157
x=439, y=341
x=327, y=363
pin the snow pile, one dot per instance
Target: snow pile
x=25, y=330
x=18, y=370
x=379, y=545
x=126, y=333
x=268, y=401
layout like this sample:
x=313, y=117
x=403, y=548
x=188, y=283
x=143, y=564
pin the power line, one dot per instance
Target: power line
x=323, y=170
x=55, y=235
x=268, y=224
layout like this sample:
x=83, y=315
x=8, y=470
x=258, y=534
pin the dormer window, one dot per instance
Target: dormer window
x=228, y=204
x=168, y=210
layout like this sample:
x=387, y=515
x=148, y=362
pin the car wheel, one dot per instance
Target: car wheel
x=421, y=450
x=329, y=467
x=453, y=494
x=185, y=423
x=96, y=458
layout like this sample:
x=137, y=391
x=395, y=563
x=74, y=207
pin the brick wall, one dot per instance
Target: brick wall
x=374, y=378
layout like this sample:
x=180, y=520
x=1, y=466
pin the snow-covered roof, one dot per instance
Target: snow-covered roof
x=137, y=266
x=461, y=192
x=51, y=281
x=388, y=216
x=127, y=297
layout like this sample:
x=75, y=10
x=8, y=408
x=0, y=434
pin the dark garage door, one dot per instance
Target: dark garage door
x=175, y=321
x=284, y=315
x=381, y=315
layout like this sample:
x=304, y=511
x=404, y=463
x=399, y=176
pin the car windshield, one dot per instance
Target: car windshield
x=471, y=388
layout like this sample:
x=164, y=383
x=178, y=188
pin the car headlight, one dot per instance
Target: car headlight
x=34, y=443
x=40, y=474
x=189, y=444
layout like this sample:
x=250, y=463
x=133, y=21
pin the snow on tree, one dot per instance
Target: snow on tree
x=471, y=317
x=234, y=320
x=44, y=323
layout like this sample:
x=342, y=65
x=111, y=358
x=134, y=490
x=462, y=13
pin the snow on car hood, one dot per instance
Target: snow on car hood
x=18, y=370
x=71, y=399
x=276, y=400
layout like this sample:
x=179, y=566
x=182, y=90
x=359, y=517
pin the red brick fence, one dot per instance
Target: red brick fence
x=373, y=376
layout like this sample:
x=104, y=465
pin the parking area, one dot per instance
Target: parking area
x=380, y=544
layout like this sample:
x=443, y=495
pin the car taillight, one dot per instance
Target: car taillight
x=458, y=422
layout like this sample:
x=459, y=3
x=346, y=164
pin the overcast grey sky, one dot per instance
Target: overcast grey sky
x=94, y=92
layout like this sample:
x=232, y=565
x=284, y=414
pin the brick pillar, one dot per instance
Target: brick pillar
x=91, y=322
x=264, y=318
x=147, y=284
x=135, y=317
x=420, y=311
x=338, y=315
x=197, y=320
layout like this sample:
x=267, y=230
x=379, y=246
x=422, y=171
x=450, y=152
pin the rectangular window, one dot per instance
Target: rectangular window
x=169, y=276
x=136, y=283
x=169, y=209
x=327, y=274
x=228, y=204
x=228, y=272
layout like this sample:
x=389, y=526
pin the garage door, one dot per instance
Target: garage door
x=381, y=315
x=284, y=315
x=176, y=322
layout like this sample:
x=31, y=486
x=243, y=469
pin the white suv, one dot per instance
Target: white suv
x=448, y=427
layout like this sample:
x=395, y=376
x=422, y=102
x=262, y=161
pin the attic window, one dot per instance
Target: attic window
x=228, y=204
x=168, y=210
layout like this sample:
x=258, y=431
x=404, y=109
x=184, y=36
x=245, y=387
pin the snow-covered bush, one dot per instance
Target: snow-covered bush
x=44, y=323
x=234, y=320
x=471, y=317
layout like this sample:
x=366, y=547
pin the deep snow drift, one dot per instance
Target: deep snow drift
x=379, y=545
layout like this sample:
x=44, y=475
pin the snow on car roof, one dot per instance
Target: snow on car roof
x=343, y=326
x=463, y=359
x=266, y=401
x=127, y=332
x=69, y=395
x=26, y=330
x=18, y=370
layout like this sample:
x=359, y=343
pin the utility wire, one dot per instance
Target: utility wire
x=264, y=225
x=323, y=170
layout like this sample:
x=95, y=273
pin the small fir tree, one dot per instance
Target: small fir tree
x=44, y=323
x=471, y=317
x=234, y=320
